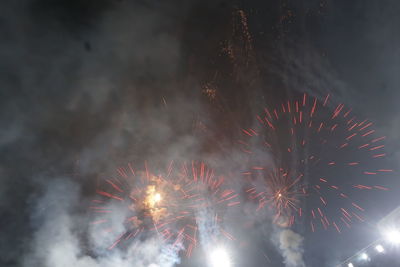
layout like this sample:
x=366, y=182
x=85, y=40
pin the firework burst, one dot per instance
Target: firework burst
x=318, y=152
x=280, y=191
x=168, y=204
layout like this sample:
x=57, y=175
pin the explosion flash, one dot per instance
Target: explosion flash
x=317, y=153
x=165, y=204
x=219, y=257
x=152, y=203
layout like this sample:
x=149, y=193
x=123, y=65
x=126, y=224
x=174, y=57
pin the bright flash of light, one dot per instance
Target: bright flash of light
x=220, y=258
x=152, y=204
x=350, y=264
x=379, y=248
x=152, y=198
x=393, y=236
x=364, y=256
x=157, y=197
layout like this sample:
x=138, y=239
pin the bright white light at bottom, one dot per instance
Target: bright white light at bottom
x=364, y=256
x=220, y=258
x=350, y=264
x=379, y=248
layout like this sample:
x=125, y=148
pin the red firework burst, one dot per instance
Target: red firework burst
x=168, y=204
x=319, y=151
x=280, y=190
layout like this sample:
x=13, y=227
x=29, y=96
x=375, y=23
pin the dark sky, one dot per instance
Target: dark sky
x=87, y=86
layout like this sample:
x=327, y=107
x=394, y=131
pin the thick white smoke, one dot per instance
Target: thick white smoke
x=291, y=245
x=60, y=241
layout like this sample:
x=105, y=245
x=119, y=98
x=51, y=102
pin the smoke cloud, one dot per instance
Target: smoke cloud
x=88, y=86
x=291, y=245
x=58, y=238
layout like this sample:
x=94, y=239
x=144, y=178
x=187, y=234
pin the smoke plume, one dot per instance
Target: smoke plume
x=291, y=245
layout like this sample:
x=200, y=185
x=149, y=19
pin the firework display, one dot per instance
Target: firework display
x=305, y=156
x=308, y=162
x=169, y=204
x=200, y=133
x=318, y=150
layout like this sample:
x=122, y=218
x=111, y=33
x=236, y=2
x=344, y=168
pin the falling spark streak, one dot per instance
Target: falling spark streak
x=116, y=242
x=358, y=217
x=337, y=228
x=385, y=170
x=228, y=235
x=376, y=147
x=108, y=195
x=378, y=139
x=358, y=207
x=114, y=186
x=326, y=100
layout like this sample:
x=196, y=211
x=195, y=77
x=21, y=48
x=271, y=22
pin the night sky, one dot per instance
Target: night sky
x=90, y=86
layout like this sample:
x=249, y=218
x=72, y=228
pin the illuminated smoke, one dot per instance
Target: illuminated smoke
x=290, y=244
x=57, y=243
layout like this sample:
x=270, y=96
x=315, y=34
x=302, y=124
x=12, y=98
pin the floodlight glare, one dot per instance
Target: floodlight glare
x=364, y=256
x=393, y=236
x=379, y=248
x=220, y=258
x=350, y=264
